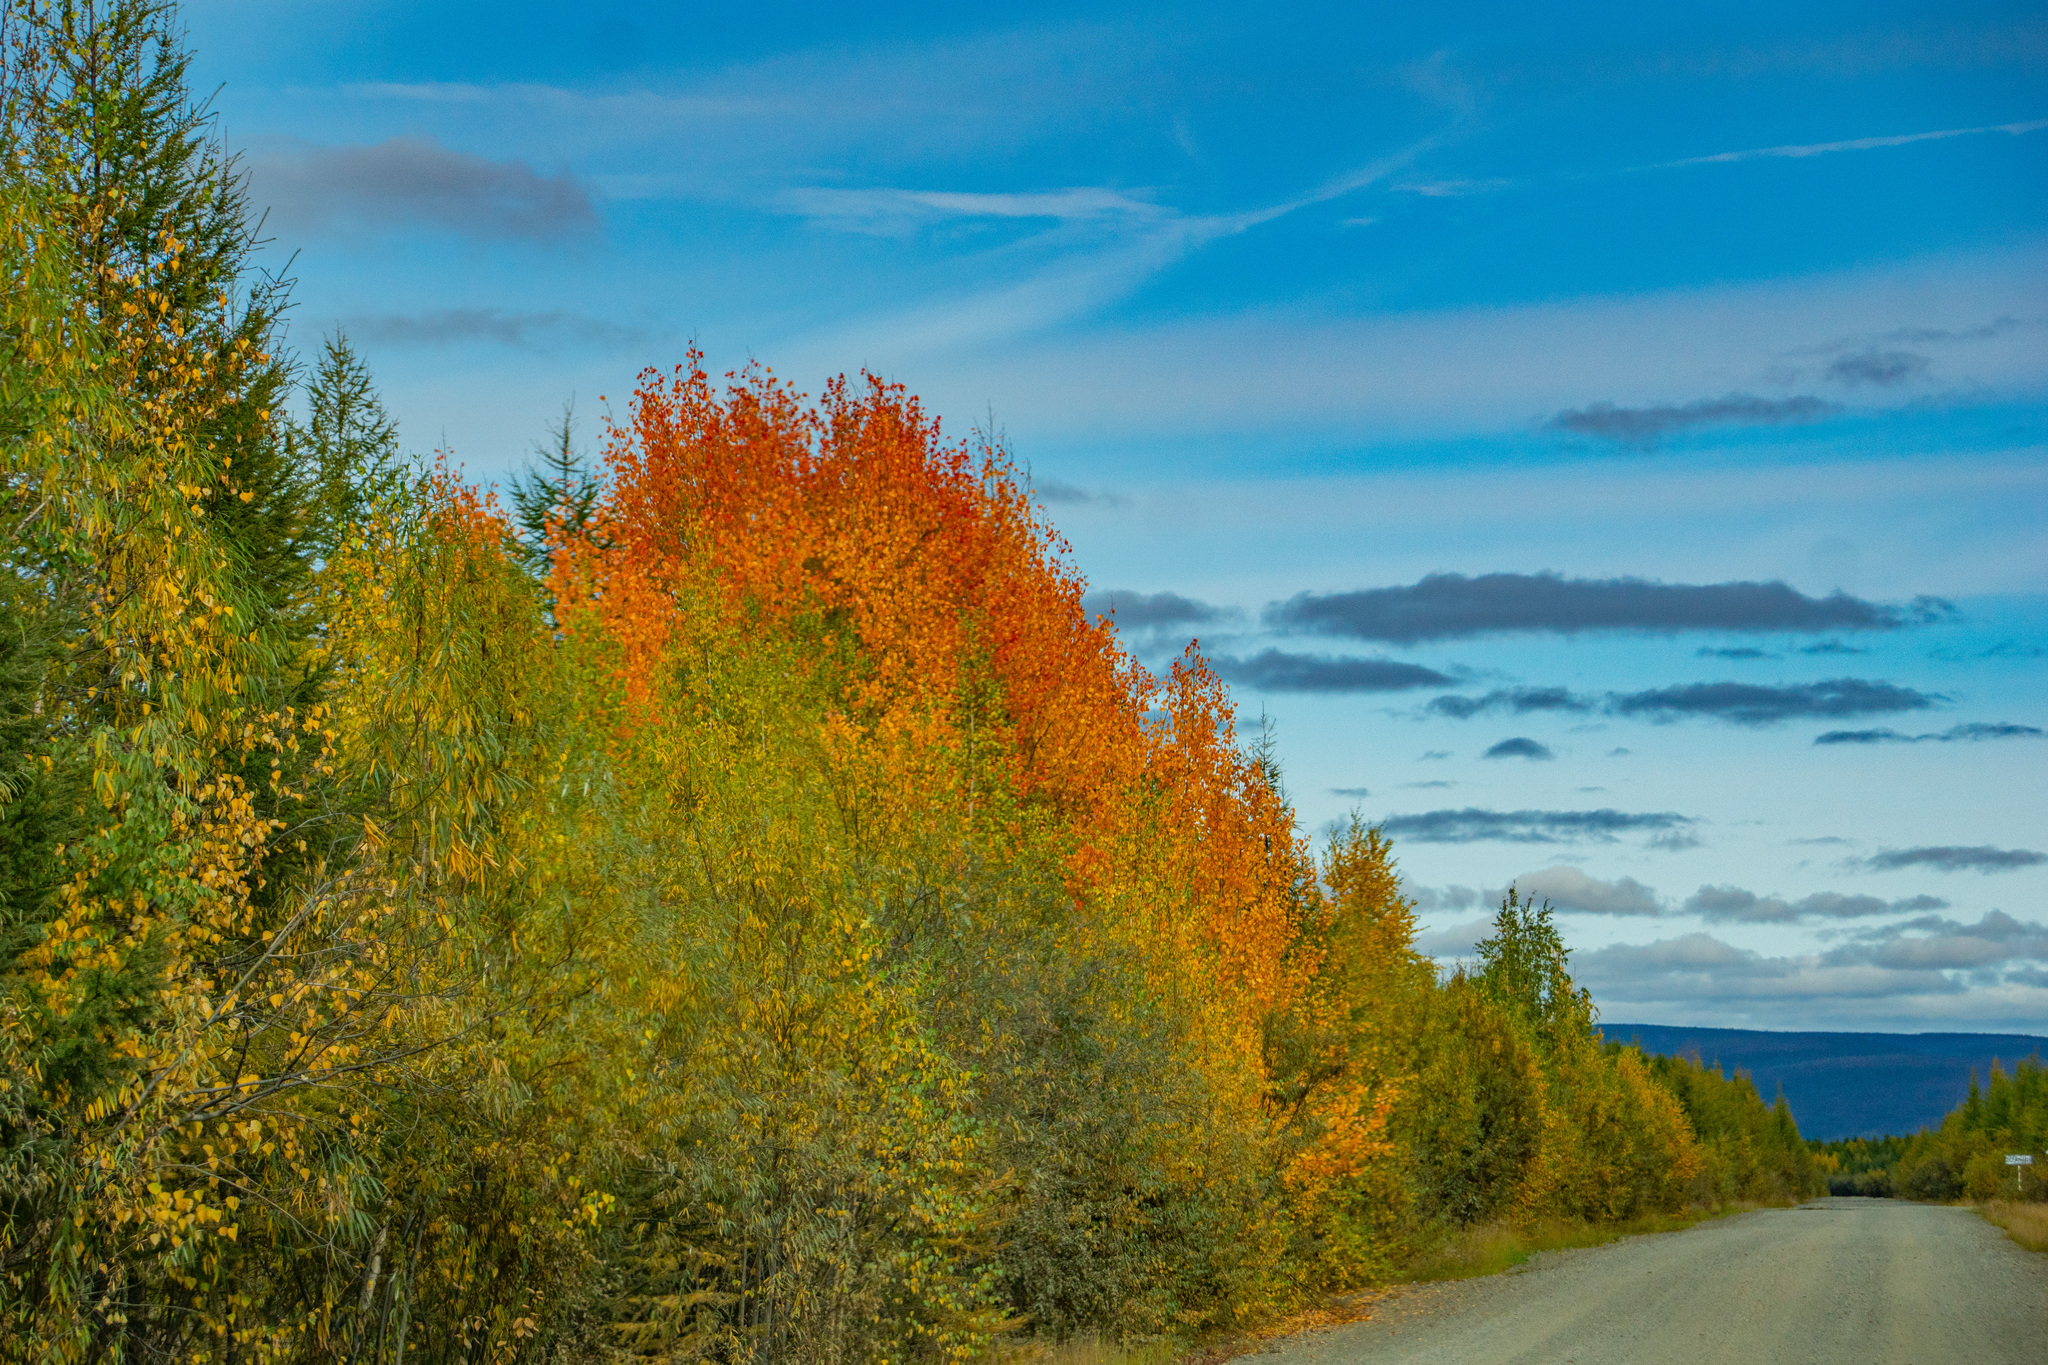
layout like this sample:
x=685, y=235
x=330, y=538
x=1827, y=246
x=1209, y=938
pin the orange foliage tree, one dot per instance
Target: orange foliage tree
x=967, y=689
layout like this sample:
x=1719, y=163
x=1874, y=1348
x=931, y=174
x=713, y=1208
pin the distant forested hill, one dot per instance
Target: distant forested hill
x=1846, y=1084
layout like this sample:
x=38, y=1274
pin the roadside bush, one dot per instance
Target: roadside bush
x=1863, y=1184
x=1474, y=1121
x=1930, y=1177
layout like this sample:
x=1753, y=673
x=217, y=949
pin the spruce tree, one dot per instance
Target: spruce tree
x=155, y=213
x=345, y=454
x=156, y=218
x=557, y=501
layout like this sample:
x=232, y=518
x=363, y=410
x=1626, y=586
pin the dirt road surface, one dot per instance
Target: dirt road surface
x=1832, y=1282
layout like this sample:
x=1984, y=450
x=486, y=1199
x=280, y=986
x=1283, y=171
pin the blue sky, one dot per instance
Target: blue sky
x=1446, y=369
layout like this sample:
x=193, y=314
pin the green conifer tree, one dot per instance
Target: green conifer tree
x=345, y=454
x=557, y=501
x=157, y=217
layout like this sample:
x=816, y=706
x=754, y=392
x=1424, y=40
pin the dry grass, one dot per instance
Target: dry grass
x=1088, y=1350
x=2026, y=1224
x=1490, y=1248
x=1483, y=1250
x=1213, y=1349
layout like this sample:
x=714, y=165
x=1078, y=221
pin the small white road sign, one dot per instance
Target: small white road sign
x=2020, y=1159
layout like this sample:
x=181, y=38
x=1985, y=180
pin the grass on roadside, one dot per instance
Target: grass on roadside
x=1489, y=1248
x=1486, y=1249
x=2026, y=1224
x=1087, y=1350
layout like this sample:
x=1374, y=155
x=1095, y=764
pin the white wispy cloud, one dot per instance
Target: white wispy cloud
x=756, y=135
x=1136, y=240
x=895, y=210
x=429, y=92
x=1470, y=369
x=1800, y=151
x=605, y=113
x=1456, y=187
x=703, y=131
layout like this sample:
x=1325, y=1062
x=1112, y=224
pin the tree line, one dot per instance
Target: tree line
x=730, y=904
x=1964, y=1158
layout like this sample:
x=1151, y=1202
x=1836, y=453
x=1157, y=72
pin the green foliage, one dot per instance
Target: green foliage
x=1524, y=967
x=1475, y=1124
x=1860, y=1166
x=1517, y=1116
x=345, y=455
x=1752, y=1151
x=156, y=215
x=1965, y=1157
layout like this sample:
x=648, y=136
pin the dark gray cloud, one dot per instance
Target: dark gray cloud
x=1737, y=652
x=461, y=326
x=1273, y=670
x=1349, y=791
x=1471, y=826
x=1999, y=326
x=1926, y=957
x=1993, y=941
x=1975, y=730
x=1699, y=969
x=1424, y=786
x=1521, y=746
x=1756, y=704
x=1153, y=610
x=1836, y=646
x=1448, y=606
x=1953, y=858
x=415, y=182
x=1519, y=700
x=1643, y=426
x=1454, y=941
x=1733, y=904
x=1429, y=898
x=1687, y=952
x=1569, y=889
x=1882, y=368
x=1054, y=491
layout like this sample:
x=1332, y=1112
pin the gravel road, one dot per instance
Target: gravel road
x=1855, y=1281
